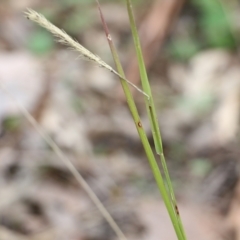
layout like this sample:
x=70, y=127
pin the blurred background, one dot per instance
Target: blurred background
x=191, y=50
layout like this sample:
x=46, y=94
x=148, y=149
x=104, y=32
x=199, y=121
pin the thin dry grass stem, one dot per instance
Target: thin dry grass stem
x=68, y=164
x=64, y=38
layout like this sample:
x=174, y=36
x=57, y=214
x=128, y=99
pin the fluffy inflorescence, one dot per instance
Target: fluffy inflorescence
x=65, y=39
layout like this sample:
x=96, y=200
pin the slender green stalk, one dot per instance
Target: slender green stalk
x=142, y=134
x=154, y=122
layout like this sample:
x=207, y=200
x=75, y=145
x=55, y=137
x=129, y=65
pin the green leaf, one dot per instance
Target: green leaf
x=11, y=123
x=40, y=42
x=214, y=23
x=184, y=48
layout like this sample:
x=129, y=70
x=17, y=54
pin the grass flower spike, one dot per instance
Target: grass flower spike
x=65, y=39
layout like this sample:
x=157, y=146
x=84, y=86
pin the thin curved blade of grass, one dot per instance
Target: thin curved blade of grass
x=69, y=166
x=176, y=220
x=145, y=84
x=65, y=39
x=173, y=198
x=141, y=132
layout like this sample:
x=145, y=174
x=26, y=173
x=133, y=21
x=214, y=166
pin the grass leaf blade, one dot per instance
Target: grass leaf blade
x=176, y=220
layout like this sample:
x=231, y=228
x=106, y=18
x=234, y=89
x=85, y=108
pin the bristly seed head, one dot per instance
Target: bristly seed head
x=64, y=38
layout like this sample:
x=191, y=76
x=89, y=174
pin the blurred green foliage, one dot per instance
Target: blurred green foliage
x=206, y=24
x=183, y=47
x=214, y=23
x=11, y=123
x=40, y=42
x=200, y=167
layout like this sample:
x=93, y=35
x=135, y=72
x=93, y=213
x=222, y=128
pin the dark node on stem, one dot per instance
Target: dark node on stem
x=139, y=124
x=176, y=208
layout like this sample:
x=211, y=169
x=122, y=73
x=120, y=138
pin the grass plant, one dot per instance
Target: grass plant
x=167, y=193
x=152, y=115
x=166, y=190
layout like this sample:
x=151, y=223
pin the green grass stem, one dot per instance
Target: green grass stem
x=151, y=110
x=141, y=132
